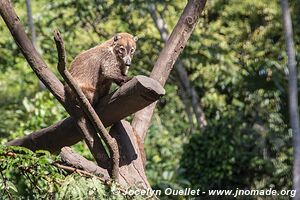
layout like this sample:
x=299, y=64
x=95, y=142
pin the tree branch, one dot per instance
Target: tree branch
x=71, y=158
x=131, y=158
x=78, y=162
x=181, y=72
x=87, y=108
x=167, y=58
x=79, y=171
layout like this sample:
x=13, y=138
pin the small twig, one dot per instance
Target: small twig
x=25, y=171
x=79, y=171
x=87, y=107
x=9, y=154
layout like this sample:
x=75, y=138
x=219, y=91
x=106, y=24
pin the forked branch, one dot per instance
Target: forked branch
x=87, y=108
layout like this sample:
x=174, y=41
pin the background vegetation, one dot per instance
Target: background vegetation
x=235, y=59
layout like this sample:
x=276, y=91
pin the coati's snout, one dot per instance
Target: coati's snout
x=127, y=61
x=125, y=48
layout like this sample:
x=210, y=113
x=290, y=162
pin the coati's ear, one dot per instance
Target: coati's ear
x=135, y=38
x=117, y=37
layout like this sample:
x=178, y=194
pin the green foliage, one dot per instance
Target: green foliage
x=164, y=142
x=28, y=175
x=243, y=94
x=78, y=187
x=38, y=112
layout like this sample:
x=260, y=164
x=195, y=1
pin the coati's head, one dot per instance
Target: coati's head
x=124, y=47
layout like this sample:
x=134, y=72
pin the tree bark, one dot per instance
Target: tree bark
x=167, y=58
x=131, y=162
x=135, y=94
x=186, y=85
x=69, y=157
x=293, y=94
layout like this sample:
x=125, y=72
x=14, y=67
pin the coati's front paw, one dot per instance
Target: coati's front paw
x=123, y=80
x=127, y=79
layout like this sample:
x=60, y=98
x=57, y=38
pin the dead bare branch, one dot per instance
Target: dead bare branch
x=189, y=91
x=71, y=158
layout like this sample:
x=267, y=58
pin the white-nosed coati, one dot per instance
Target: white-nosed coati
x=96, y=69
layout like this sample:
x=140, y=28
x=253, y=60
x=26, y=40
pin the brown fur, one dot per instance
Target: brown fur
x=96, y=69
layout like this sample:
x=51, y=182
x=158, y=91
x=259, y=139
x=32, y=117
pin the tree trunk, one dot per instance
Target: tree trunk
x=293, y=94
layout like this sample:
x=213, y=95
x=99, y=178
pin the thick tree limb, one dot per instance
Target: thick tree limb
x=186, y=102
x=184, y=82
x=136, y=94
x=192, y=94
x=168, y=56
x=89, y=111
x=77, y=161
x=27, y=48
x=93, y=141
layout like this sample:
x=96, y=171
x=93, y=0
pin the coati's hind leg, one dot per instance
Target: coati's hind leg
x=90, y=93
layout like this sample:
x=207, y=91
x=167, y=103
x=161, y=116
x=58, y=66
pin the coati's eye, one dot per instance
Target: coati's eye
x=121, y=49
x=132, y=50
